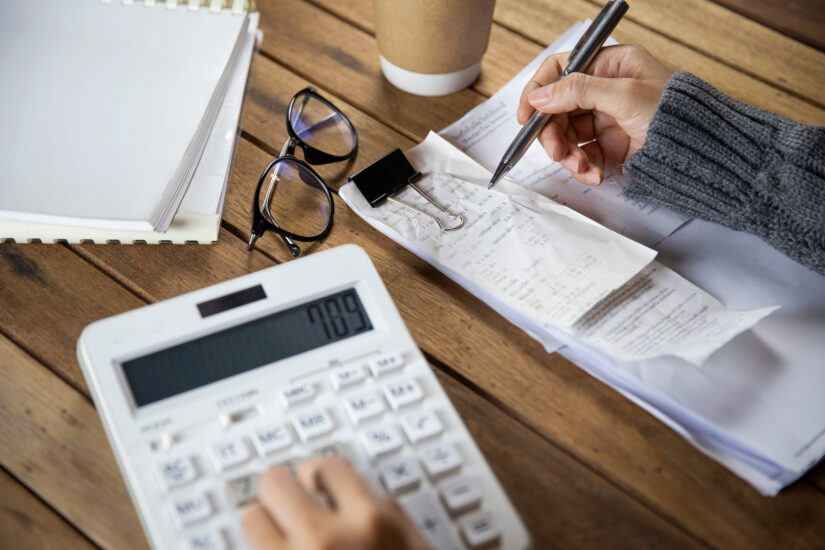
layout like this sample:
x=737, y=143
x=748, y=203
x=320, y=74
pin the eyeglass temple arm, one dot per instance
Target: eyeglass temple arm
x=258, y=230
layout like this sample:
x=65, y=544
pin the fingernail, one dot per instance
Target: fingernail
x=571, y=163
x=592, y=178
x=541, y=96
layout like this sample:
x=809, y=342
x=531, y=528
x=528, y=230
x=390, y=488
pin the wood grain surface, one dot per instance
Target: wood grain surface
x=584, y=466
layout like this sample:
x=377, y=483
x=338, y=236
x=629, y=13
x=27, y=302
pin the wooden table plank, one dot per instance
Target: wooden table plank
x=57, y=447
x=743, y=44
x=800, y=19
x=42, y=309
x=28, y=524
x=52, y=440
x=694, y=35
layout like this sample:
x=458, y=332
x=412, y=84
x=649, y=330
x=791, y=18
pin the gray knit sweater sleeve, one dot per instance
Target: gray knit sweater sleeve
x=711, y=157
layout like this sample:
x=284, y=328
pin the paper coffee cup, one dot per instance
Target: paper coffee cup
x=432, y=47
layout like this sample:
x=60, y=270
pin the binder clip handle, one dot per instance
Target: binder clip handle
x=385, y=177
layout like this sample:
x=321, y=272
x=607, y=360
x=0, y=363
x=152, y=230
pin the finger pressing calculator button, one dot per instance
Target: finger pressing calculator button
x=177, y=472
x=242, y=490
x=271, y=440
x=207, y=540
x=480, y=530
x=192, y=509
x=386, y=363
x=460, y=495
x=346, y=377
x=313, y=425
x=441, y=461
x=381, y=441
x=430, y=521
x=363, y=406
x=400, y=475
x=421, y=426
x=296, y=394
x=231, y=453
x=403, y=393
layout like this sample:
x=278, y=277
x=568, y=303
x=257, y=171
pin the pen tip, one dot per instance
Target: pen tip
x=502, y=169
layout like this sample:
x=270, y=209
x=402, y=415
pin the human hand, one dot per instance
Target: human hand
x=600, y=118
x=288, y=516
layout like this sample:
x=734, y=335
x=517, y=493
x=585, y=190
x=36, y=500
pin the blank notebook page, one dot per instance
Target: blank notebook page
x=99, y=103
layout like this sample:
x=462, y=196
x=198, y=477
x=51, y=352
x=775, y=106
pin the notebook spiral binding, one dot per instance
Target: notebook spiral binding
x=237, y=6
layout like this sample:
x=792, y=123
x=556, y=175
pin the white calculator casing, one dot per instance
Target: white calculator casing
x=192, y=423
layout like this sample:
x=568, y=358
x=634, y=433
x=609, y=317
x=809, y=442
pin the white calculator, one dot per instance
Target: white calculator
x=201, y=393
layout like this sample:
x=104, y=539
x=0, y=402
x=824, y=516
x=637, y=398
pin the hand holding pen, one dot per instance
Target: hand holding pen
x=599, y=118
x=578, y=60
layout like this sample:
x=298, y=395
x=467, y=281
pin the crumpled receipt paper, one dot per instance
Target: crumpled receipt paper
x=549, y=263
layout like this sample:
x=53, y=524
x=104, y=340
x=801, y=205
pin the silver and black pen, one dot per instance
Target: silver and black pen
x=578, y=60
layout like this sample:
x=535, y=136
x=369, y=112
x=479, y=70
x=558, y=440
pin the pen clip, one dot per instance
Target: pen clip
x=589, y=30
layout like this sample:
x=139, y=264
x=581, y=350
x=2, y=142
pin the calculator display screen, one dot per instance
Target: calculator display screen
x=245, y=347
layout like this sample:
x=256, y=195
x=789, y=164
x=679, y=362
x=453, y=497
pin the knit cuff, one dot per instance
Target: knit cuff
x=712, y=157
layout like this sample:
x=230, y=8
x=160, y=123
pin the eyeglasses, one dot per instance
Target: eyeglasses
x=297, y=196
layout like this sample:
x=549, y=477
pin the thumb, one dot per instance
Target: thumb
x=578, y=91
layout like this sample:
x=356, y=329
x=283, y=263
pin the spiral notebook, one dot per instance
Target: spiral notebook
x=120, y=119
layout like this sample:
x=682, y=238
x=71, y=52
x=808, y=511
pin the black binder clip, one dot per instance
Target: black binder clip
x=388, y=175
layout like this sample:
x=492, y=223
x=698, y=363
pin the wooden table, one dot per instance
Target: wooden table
x=584, y=466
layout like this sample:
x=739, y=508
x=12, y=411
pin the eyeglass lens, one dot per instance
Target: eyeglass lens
x=320, y=126
x=293, y=200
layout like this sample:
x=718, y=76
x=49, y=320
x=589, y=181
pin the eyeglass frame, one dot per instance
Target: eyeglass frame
x=260, y=223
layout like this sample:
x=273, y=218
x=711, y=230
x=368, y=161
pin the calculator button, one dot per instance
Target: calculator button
x=177, y=472
x=403, y=393
x=441, y=461
x=346, y=377
x=297, y=394
x=292, y=465
x=242, y=490
x=424, y=513
x=208, y=540
x=270, y=440
x=313, y=425
x=381, y=441
x=363, y=406
x=192, y=509
x=386, y=363
x=480, y=530
x=331, y=451
x=421, y=426
x=460, y=495
x=229, y=454
x=401, y=475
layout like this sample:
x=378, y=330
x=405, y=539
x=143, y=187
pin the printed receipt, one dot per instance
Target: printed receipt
x=660, y=313
x=552, y=265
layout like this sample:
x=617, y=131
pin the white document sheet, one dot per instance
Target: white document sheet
x=549, y=264
x=486, y=131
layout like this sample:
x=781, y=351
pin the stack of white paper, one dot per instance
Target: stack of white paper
x=115, y=113
x=749, y=395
